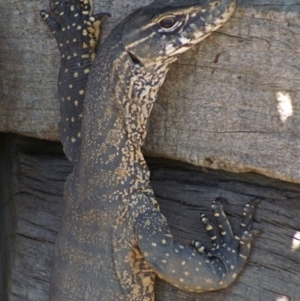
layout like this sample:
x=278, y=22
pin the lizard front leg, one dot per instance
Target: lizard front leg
x=77, y=33
x=196, y=269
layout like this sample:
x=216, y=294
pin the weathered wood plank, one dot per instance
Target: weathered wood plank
x=273, y=270
x=183, y=191
x=30, y=214
x=231, y=102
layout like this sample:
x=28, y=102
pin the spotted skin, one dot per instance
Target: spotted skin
x=113, y=238
x=77, y=35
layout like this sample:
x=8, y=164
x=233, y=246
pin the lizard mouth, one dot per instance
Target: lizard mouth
x=199, y=24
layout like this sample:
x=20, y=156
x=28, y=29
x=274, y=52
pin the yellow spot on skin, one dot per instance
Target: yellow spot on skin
x=181, y=279
x=201, y=249
x=183, y=263
x=164, y=261
x=163, y=241
x=84, y=33
x=79, y=134
x=79, y=27
x=73, y=139
x=69, y=98
x=91, y=30
x=153, y=244
x=186, y=273
x=216, y=214
x=76, y=103
x=74, y=40
x=92, y=43
x=72, y=119
x=81, y=92
x=208, y=280
x=70, y=86
x=86, y=71
x=76, y=74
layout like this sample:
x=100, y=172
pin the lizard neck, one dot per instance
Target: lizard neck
x=116, y=110
x=144, y=83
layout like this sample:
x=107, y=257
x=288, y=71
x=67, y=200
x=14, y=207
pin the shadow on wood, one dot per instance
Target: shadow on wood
x=32, y=179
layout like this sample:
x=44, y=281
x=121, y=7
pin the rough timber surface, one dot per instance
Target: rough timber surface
x=31, y=204
x=232, y=102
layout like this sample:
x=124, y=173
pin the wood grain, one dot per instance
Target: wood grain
x=31, y=209
x=230, y=103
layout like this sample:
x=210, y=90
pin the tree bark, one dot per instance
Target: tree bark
x=230, y=103
x=31, y=203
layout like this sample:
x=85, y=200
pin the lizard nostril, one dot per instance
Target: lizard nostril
x=134, y=58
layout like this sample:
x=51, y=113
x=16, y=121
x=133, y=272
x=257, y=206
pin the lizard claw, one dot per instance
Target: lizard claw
x=231, y=249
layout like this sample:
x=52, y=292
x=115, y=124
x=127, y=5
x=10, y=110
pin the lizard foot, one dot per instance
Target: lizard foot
x=232, y=250
x=77, y=32
x=75, y=26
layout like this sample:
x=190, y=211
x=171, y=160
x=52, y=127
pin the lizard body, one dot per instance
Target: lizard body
x=113, y=238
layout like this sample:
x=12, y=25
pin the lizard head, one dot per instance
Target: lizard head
x=166, y=28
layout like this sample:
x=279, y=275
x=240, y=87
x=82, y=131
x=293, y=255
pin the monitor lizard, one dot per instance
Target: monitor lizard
x=113, y=238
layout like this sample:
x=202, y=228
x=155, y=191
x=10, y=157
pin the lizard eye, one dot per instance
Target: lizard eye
x=168, y=22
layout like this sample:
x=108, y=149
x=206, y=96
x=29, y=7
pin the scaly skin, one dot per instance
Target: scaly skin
x=113, y=238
